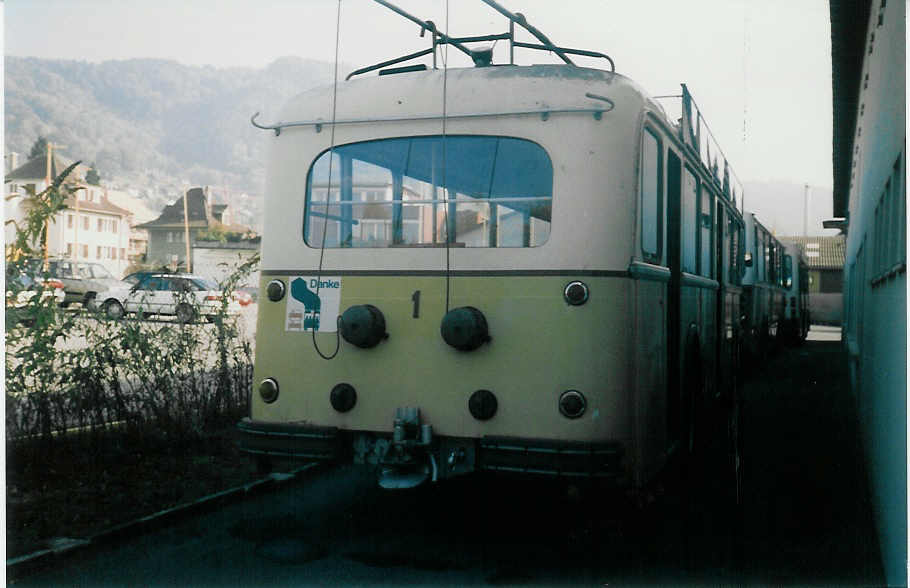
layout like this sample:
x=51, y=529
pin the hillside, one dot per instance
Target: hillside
x=153, y=121
x=159, y=124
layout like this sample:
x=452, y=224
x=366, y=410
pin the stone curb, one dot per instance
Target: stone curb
x=66, y=547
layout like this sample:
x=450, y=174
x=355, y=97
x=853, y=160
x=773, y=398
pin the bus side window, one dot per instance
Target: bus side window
x=734, y=236
x=705, y=228
x=726, y=260
x=689, y=228
x=651, y=192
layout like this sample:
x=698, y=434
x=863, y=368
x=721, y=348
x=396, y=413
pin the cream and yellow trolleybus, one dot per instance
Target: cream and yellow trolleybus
x=525, y=269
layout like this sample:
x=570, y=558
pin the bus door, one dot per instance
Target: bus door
x=677, y=417
x=723, y=320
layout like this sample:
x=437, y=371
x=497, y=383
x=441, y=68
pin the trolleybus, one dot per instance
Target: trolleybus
x=526, y=269
x=796, y=293
x=763, y=295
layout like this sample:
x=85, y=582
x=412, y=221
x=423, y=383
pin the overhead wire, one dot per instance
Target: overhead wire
x=328, y=197
x=449, y=223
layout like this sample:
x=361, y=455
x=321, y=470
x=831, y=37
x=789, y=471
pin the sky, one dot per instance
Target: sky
x=759, y=70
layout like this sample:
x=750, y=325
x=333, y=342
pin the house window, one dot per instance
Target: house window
x=98, y=252
x=69, y=221
x=100, y=225
x=85, y=251
x=122, y=253
x=85, y=222
x=69, y=249
x=113, y=226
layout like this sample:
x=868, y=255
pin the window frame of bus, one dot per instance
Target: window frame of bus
x=690, y=234
x=398, y=203
x=787, y=271
x=708, y=195
x=658, y=212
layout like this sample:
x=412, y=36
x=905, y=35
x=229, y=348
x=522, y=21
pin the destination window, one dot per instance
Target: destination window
x=464, y=191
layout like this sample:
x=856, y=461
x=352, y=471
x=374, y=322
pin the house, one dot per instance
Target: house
x=825, y=256
x=209, y=228
x=90, y=228
x=139, y=213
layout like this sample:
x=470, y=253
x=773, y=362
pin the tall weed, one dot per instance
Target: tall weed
x=82, y=379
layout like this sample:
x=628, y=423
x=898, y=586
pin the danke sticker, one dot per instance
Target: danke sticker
x=307, y=311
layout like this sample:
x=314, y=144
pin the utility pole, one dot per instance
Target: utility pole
x=76, y=238
x=47, y=181
x=186, y=232
x=47, y=222
x=806, y=211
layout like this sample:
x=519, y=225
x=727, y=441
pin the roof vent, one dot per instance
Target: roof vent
x=482, y=57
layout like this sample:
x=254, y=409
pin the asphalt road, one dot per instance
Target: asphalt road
x=804, y=520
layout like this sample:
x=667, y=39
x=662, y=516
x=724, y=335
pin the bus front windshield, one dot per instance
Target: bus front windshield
x=464, y=191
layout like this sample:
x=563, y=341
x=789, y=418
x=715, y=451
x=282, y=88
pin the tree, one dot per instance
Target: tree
x=39, y=149
x=92, y=176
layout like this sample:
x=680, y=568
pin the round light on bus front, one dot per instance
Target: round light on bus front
x=275, y=290
x=572, y=404
x=576, y=293
x=268, y=390
x=363, y=325
x=343, y=397
x=465, y=328
x=482, y=405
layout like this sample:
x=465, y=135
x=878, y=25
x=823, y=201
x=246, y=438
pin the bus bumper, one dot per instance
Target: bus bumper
x=432, y=458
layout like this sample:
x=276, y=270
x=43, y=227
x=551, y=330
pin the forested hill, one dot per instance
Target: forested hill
x=153, y=119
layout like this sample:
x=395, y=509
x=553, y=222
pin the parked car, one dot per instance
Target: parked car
x=21, y=288
x=181, y=295
x=82, y=281
x=243, y=297
x=134, y=277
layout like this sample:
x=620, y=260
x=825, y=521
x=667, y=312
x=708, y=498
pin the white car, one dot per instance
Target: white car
x=182, y=295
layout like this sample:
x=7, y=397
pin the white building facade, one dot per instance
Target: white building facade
x=90, y=228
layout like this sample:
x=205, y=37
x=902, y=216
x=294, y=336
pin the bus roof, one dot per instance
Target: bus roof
x=470, y=92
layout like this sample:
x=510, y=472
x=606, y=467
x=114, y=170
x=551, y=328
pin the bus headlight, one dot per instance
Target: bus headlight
x=482, y=405
x=572, y=404
x=363, y=325
x=343, y=397
x=465, y=328
x=275, y=290
x=268, y=390
x=576, y=293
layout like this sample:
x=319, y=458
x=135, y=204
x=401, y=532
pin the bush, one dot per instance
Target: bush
x=79, y=377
